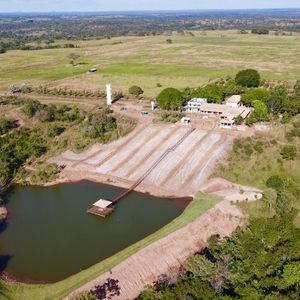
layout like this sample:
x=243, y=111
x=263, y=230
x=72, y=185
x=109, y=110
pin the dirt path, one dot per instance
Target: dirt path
x=167, y=255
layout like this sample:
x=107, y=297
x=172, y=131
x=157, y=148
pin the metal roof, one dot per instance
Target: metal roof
x=102, y=203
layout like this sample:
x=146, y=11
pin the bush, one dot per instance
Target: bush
x=238, y=120
x=243, y=31
x=100, y=124
x=260, y=31
x=46, y=174
x=170, y=98
x=248, y=78
x=171, y=117
x=5, y=126
x=276, y=182
x=54, y=131
x=135, y=91
x=289, y=152
x=30, y=108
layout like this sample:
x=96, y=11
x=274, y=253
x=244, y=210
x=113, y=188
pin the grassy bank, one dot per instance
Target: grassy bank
x=56, y=291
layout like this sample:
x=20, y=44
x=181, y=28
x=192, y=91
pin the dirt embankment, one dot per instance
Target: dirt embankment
x=167, y=255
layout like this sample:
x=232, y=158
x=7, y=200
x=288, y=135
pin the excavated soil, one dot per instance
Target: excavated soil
x=124, y=161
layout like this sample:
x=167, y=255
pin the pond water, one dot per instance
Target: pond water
x=49, y=236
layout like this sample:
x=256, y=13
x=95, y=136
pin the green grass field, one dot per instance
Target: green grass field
x=56, y=291
x=146, y=61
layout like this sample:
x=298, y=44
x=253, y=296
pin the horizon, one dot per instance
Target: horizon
x=104, y=6
x=149, y=10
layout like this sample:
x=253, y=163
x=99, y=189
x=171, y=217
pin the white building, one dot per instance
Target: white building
x=185, y=120
x=233, y=101
x=194, y=105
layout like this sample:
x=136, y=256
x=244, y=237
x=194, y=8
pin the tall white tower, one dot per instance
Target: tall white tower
x=152, y=105
x=109, y=94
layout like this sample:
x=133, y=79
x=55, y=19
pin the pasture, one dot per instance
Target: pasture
x=149, y=61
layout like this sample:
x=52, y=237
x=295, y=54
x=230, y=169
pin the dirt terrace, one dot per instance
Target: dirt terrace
x=180, y=173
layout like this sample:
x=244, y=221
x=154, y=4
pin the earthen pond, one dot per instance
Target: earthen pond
x=49, y=236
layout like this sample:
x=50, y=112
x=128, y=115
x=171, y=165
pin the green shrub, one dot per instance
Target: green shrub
x=289, y=152
x=239, y=120
x=275, y=181
x=55, y=130
x=5, y=126
x=260, y=31
x=135, y=91
x=46, y=174
x=30, y=108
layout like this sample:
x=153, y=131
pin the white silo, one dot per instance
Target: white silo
x=109, y=94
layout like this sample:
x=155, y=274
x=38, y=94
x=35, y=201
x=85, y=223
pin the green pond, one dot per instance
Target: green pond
x=49, y=236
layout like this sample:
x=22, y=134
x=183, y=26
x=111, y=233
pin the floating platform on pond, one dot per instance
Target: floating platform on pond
x=101, y=208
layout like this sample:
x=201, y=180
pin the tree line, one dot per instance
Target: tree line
x=267, y=102
x=23, y=146
x=16, y=31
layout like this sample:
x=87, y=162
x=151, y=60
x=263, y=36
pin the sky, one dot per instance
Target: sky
x=131, y=5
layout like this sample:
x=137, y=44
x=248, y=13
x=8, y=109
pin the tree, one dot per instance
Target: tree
x=213, y=92
x=248, y=78
x=291, y=106
x=259, y=114
x=170, y=98
x=2, y=50
x=135, y=91
x=260, y=111
x=276, y=99
x=260, y=94
x=230, y=88
x=169, y=41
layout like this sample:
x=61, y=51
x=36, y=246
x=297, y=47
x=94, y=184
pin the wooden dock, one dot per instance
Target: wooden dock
x=101, y=208
x=104, y=208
